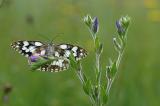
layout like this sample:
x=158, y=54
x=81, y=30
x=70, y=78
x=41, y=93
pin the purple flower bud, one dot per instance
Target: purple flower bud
x=95, y=25
x=119, y=27
x=33, y=58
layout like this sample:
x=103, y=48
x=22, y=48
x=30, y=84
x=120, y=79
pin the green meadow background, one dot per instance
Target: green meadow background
x=138, y=81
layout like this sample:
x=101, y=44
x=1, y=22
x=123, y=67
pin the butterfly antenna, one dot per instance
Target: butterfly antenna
x=47, y=37
x=57, y=35
x=44, y=36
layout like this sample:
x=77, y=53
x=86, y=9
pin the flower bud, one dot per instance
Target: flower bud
x=88, y=20
x=125, y=21
x=122, y=25
x=120, y=28
x=95, y=25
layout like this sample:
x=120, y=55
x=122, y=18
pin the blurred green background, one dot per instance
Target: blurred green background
x=138, y=82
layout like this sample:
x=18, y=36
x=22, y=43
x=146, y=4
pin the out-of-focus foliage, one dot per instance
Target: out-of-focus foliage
x=136, y=85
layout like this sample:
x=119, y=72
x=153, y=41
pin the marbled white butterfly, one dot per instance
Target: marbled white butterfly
x=60, y=51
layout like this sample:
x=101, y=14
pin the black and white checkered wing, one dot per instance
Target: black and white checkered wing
x=56, y=65
x=64, y=51
x=26, y=48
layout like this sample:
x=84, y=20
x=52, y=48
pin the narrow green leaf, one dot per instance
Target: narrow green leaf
x=87, y=87
x=93, y=96
x=104, y=95
x=97, y=43
x=108, y=72
x=96, y=91
x=100, y=49
x=84, y=78
x=117, y=45
x=98, y=46
x=113, y=69
x=98, y=76
x=39, y=63
x=73, y=62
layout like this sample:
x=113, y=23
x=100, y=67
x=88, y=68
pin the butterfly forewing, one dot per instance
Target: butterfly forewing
x=64, y=50
x=26, y=48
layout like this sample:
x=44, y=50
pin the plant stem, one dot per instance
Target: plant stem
x=98, y=73
x=80, y=75
x=120, y=55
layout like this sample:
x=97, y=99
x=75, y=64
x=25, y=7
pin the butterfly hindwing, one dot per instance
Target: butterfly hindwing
x=55, y=66
x=26, y=48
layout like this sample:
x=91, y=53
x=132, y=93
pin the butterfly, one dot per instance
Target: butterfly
x=61, y=52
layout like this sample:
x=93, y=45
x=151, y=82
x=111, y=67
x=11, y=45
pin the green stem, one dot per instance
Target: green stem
x=109, y=84
x=119, y=59
x=80, y=75
x=98, y=77
x=120, y=55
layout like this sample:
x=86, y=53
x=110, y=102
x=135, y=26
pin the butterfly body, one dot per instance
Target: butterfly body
x=60, y=51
